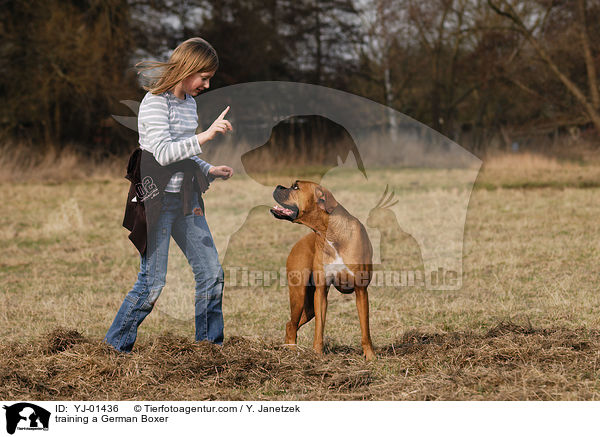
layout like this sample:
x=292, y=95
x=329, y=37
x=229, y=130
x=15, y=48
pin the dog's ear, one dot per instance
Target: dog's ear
x=325, y=199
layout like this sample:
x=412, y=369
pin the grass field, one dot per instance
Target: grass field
x=524, y=325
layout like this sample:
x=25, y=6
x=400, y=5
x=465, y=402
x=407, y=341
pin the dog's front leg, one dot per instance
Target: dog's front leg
x=320, y=309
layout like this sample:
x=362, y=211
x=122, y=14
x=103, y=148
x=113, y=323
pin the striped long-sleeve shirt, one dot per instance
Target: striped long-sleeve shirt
x=167, y=128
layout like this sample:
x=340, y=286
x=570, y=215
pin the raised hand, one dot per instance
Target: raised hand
x=220, y=125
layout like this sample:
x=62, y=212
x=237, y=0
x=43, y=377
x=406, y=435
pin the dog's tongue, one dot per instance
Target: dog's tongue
x=282, y=210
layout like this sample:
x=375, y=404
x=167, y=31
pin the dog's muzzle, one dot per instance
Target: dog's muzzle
x=283, y=211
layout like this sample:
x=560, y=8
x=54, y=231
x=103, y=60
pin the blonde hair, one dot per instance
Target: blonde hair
x=194, y=55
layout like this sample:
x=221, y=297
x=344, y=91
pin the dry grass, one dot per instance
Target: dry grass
x=19, y=162
x=534, y=170
x=530, y=257
x=509, y=362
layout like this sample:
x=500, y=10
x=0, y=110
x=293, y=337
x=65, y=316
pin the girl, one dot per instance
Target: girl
x=167, y=123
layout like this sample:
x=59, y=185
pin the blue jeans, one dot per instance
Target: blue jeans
x=192, y=235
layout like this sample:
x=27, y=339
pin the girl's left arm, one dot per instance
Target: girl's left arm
x=205, y=167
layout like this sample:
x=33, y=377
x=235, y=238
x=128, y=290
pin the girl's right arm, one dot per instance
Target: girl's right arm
x=220, y=125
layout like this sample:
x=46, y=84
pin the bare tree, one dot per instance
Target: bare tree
x=385, y=28
x=519, y=23
x=64, y=68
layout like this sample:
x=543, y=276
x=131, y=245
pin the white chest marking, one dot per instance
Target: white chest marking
x=335, y=266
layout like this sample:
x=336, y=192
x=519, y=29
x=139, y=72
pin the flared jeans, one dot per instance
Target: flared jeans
x=192, y=235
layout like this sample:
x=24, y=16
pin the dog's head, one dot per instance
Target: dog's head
x=303, y=202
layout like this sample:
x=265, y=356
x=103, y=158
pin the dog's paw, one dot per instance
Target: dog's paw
x=370, y=355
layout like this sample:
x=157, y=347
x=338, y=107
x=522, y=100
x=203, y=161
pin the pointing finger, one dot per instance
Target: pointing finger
x=222, y=116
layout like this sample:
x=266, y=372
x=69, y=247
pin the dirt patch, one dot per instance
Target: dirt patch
x=508, y=362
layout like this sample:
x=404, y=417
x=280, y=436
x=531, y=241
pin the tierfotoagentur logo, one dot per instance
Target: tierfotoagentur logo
x=406, y=183
x=243, y=277
x=26, y=417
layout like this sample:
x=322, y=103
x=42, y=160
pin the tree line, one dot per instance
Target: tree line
x=472, y=69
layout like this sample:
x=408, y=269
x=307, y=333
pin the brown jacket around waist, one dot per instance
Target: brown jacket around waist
x=148, y=181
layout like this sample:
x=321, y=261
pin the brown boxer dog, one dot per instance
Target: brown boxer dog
x=338, y=252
